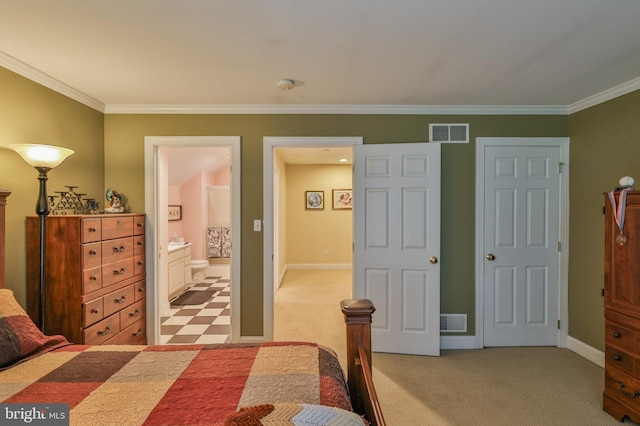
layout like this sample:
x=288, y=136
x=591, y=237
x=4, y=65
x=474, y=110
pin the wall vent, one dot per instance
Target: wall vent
x=449, y=133
x=453, y=323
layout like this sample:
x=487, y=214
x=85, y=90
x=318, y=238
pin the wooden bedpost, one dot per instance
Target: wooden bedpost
x=357, y=316
x=3, y=201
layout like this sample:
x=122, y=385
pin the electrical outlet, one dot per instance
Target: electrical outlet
x=257, y=225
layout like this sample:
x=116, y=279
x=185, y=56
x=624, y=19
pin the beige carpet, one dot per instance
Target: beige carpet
x=492, y=386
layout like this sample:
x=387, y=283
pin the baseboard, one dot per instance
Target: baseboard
x=251, y=338
x=588, y=352
x=458, y=342
x=469, y=342
x=318, y=266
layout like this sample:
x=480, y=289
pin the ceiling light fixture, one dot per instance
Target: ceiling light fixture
x=286, y=84
x=343, y=160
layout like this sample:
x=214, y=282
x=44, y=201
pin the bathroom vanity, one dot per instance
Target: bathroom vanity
x=179, y=268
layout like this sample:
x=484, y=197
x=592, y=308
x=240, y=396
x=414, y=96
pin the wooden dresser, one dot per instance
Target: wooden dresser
x=622, y=312
x=95, y=277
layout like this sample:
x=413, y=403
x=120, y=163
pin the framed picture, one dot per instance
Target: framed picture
x=314, y=200
x=342, y=199
x=175, y=212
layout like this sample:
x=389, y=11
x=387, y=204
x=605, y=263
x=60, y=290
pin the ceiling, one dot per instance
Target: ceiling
x=198, y=55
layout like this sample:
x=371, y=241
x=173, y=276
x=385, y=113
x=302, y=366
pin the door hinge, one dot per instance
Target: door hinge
x=559, y=246
x=558, y=324
x=560, y=167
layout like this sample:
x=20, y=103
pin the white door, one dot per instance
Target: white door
x=521, y=234
x=397, y=244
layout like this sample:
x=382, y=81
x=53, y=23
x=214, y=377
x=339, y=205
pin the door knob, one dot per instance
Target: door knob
x=433, y=260
x=491, y=257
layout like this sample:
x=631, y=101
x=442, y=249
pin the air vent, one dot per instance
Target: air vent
x=453, y=323
x=449, y=133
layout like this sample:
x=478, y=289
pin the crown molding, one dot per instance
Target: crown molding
x=606, y=95
x=45, y=80
x=340, y=109
x=20, y=68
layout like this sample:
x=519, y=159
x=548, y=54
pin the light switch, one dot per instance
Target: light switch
x=257, y=225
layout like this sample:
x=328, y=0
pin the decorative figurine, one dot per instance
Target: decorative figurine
x=114, y=200
x=93, y=207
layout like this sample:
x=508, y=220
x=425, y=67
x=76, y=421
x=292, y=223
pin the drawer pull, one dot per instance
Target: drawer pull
x=122, y=299
x=616, y=335
x=140, y=263
x=617, y=358
x=94, y=311
x=140, y=243
x=118, y=249
x=139, y=225
x=93, y=277
x=628, y=394
x=92, y=229
x=93, y=252
x=140, y=289
x=119, y=272
x=135, y=313
x=106, y=331
x=138, y=333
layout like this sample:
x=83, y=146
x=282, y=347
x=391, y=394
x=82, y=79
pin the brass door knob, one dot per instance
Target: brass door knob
x=433, y=260
x=491, y=257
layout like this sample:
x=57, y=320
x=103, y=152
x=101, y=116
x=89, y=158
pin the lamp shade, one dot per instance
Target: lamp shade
x=48, y=156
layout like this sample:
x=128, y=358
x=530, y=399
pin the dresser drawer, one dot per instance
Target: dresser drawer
x=101, y=331
x=140, y=290
x=118, y=299
x=138, y=245
x=132, y=313
x=117, y=227
x=91, y=255
x=117, y=271
x=138, y=265
x=91, y=230
x=135, y=334
x=619, y=359
x=618, y=336
x=622, y=387
x=91, y=279
x=118, y=249
x=92, y=312
x=138, y=225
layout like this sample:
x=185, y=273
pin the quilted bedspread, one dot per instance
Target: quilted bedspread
x=176, y=384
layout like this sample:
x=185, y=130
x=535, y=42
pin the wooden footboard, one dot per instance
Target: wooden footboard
x=357, y=316
x=3, y=201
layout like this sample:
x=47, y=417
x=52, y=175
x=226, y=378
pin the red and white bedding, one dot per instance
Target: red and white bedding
x=275, y=383
x=176, y=385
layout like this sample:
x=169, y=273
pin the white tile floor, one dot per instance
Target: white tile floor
x=207, y=323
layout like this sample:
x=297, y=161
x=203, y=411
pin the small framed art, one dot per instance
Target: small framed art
x=314, y=200
x=175, y=212
x=342, y=199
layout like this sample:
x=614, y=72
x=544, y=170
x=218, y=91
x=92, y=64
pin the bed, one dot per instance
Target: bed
x=232, y=384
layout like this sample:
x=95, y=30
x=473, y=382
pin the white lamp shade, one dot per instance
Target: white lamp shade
x=42, y=155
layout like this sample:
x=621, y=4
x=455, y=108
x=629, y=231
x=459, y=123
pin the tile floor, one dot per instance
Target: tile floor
x=209, y=322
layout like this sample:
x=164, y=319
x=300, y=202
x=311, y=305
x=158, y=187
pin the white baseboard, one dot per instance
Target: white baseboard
x=469, y=342
x=251, y=338
x=318, y=266
x=458, y=342
x=589, y=352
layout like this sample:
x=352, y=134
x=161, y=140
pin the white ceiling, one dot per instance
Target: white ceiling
x=193, y=54
x=185, y=162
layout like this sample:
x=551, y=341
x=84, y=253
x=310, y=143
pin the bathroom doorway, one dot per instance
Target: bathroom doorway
x=158, y=154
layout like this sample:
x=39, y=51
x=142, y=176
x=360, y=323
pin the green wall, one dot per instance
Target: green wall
x=124, y=170
x=31, y=113
x=109, y=152
x=605, y=145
